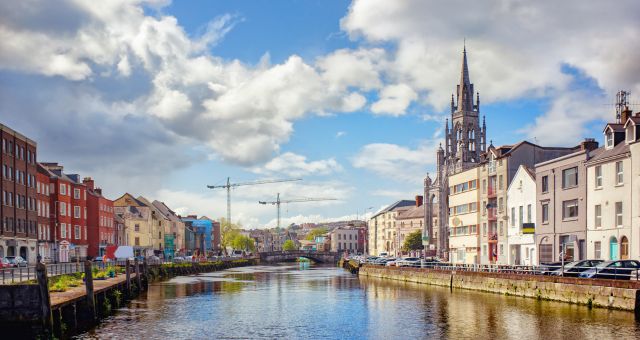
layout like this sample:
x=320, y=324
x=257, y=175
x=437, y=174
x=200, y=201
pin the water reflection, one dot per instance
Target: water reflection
x=311, y=302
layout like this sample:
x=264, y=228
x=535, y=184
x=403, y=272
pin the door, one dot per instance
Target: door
x=624, y=248
x=613, y=248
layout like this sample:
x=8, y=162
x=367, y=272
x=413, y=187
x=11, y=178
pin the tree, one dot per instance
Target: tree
x=228, y=232
x=289, y=245
x=316, y=232
x=243, y=242
x=413, y=241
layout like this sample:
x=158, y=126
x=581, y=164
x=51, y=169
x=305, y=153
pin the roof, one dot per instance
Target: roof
x=616, y=127
x=395, y=206
x=529, y=172
x=166, y=211
x=634, y=120
x=507, y=150
x=137, y=201
x=618, y=150
x=414, y=212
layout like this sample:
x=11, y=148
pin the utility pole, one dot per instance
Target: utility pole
x=277, y=202
x=230, y=185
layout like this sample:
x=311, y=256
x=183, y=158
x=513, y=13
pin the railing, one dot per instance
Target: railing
x=23, y=274
x=579, y=272
x=491, y=191
x=492, y=213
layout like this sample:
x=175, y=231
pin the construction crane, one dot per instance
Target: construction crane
x=277, y=202
x=230, y=185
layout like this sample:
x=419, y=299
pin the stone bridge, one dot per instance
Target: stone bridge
x=284, y=256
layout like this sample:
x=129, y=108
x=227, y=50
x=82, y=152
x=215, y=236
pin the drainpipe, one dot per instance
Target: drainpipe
x=553, y=173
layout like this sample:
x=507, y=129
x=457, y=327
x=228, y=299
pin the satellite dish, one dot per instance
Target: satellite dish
x=456, y=221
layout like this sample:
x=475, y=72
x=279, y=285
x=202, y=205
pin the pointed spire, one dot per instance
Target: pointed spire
x=464, y=73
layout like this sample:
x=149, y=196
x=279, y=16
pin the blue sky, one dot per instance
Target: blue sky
x=165, y=98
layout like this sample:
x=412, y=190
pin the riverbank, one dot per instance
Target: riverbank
x=622, y=295
x=31, y=311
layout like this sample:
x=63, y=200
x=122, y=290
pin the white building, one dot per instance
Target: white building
x=609, y=179
x=464, y=217
x=632, y=128
x=521, y=207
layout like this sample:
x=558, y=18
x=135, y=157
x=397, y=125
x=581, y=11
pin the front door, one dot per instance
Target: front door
x=613, y=249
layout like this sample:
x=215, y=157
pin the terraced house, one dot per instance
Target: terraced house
x=464, y=217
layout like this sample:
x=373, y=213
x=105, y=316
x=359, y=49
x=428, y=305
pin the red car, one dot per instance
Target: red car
x=4, y=263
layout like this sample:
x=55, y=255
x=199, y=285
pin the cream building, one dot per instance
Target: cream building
x=521, y=207
x=138, y=224
x=464, y=217
x=344, y=239
x=175, y=226
x=609, y=197
x=410, y=220
x=383, y=235
x=632, y=128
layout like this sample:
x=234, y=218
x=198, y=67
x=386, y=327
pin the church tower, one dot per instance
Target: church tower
x=465, y=137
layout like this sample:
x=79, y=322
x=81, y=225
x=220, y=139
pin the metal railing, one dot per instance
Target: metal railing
x=582, y=272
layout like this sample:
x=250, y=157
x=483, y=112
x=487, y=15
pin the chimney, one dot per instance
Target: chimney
x=88, y=181
x=625, y=114
x=589, y=144
x=418, y=200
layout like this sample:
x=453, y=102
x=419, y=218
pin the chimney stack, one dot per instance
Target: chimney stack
x=588, y=144
x=98, y=191
x=626, y=113
x=418, y=200
x=88, y=181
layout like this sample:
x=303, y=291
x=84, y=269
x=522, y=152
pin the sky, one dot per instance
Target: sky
x=161, y=98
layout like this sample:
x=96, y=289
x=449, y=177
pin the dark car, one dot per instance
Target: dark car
x=616, y=270
x=548, y=268
x=573, y=269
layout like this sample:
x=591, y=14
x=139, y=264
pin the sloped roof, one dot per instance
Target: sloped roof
x=614, y=126
x=619, y=149
x=395, y=206
x=411, y=213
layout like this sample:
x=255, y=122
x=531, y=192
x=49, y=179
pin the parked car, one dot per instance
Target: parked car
x=573, y=269
x=4, y=263
x=178, y=259
x=237, y=253
x=392, y=262
x=616, y=270
x=17, y=261
x=409, y=262
x=548, y=268
x=383, y=254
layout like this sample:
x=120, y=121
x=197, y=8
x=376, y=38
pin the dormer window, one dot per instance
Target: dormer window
x=609, y=142
x=630, y=133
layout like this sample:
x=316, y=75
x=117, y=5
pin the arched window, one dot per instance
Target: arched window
x=613, y=248
x=624, y=248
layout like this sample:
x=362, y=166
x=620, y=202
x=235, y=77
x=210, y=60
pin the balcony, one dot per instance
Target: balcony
x=493, y=237
x=491, y=191
x=492, y=214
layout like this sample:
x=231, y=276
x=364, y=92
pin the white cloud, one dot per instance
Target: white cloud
x=394, y=100
x=295, y=165
x=396, y=162
x=395, y=194
x=341, y=134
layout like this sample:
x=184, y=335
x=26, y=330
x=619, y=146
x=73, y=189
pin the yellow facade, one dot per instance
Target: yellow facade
x=464, y=217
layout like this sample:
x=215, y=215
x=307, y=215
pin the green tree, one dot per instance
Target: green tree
x=413, y=241
x=316, y=232
x=289, y=245
x=243, y=242
x=228, y=232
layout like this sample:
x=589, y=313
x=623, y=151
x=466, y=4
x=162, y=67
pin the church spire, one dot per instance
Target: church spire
x=464, y=73
x=465, y=88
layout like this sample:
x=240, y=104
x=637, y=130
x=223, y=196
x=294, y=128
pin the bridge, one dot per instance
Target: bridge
x=284, y=256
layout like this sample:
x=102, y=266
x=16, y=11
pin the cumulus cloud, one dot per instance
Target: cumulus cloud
x=394, y=100
x=295, y=165
x=396, y=162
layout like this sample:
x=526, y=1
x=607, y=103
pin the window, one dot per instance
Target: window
x=610, y=139
x=570, y=209
x=520, y=216
x=619, y=214
x=598, y=176
x=77, y=232
x=513, y=216
x=500, y=182
x=528, y=213
x=569, y=178
x=76, y=212
x=63, y=189
x=545, y=212
x=76, y=194
x=597, y=246
x=137, y=241
x=546, y=253
x=484, y=186
x=619, y=173
x=597, y=216
x=501, y=249
x=63, y=230
x=137, y=227
x=500, y=204
x=63, y=209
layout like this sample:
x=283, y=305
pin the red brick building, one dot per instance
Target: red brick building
x=100, y=220
x=18, y=215
x=68, y=203
x=46, y=239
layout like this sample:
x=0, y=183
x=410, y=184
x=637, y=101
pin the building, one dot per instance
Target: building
x=410, y=220
x=610, y=234
x=383, y=236
x=464, y=217
x=344, y=239
x=159, y=228
x=521, y=207
x=46, y=233
x=561, y=191
x=121, y=233
x=101, y=229
x=18, y=215
x=498, y=168
x=68, y=203
x=139, y=230
x=175, y=243
x=465, y=141
x=632, y=128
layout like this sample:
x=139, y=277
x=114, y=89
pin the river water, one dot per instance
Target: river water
x=301, y=301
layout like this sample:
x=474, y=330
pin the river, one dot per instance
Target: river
x=301, y=301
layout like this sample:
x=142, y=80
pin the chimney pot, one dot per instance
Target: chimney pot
x=418, y=200
x=589, y=144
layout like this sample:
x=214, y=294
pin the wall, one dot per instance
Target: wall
x=521, y=193
x=599, y=293
x=470, y=241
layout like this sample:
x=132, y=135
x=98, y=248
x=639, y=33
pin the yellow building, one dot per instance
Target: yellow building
x=464, y=217
x=383, y=232
x=138, y=223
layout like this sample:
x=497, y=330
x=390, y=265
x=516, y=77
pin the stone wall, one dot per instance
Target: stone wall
x=600, y=293
x=20, y=308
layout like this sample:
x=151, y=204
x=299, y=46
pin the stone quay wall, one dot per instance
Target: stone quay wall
x=611, y=294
